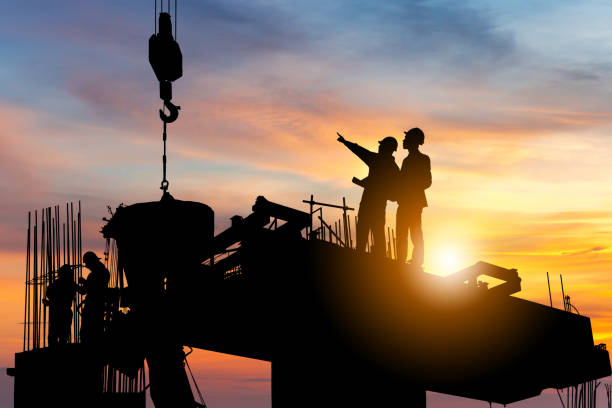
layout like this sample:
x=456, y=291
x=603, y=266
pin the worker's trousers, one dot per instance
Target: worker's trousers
x=371, y=218
x=408, y=222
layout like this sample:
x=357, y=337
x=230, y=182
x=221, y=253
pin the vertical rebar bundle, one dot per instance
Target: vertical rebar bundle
x=582, y=395
x=44, y=248
x=114, y=381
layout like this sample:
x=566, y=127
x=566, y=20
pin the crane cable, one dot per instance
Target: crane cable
x=161, y=7
x=173, y=109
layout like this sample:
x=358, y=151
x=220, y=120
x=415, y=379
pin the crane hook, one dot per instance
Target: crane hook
x=173, y=109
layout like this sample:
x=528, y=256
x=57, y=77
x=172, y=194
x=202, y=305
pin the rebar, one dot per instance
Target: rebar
x=43, y=269
x=35, y=300
x=549, y=292
x=26, y=317
x=44, y=251
x=67, y=224
x=563, y=293
x=79, y=273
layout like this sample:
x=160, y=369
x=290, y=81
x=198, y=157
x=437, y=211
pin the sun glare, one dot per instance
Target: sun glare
x=447, y=261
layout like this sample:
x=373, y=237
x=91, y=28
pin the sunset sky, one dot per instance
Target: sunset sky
x=514, y=97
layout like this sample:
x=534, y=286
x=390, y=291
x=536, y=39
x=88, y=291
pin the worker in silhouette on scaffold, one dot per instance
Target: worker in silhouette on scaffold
x=414, y=179
x=94, y=287
x=377, y=188
x=59, y=297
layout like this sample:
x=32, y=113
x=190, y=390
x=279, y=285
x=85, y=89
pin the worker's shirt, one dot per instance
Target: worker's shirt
x=415, y=177
x=382, y=176
x=61, y=293
x=97, y=282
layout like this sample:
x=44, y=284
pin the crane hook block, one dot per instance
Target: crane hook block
x=165, y=54
x=173, y=109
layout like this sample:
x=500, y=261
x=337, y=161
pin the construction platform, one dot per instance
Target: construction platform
x=339, y=327
x=333, y=321
x=71, y=375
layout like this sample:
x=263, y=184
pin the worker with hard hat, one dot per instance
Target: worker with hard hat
x=415, y=178
x=94, y=287
x=59, y=297
x=378, y=187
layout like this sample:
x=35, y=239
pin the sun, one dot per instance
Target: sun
x=447, y=260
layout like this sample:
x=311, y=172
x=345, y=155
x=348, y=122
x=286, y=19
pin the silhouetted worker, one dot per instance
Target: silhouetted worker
x=59, y=297
x=415, y=177
x=92, y=328
x=377, y=188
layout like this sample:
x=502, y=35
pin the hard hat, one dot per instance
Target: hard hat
x=416, y=134
x=90, y=256
x=389, y=141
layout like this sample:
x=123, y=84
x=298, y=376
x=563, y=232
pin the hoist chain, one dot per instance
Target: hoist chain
x=165, y=183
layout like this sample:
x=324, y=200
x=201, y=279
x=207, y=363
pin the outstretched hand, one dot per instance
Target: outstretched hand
x=340, y=138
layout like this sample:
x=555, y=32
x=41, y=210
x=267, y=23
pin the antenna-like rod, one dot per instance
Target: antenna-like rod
x=563, y=292
x=549, y=292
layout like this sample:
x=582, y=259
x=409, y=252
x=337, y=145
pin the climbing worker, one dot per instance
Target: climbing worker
x=94, y=287
x=415, y=178
x=377, y=189
x=59, y=297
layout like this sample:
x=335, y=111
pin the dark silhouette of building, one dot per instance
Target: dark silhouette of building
x=415, y=177
x=377, y=189
x=94, y=287
x=59, y=297
x=319, y=312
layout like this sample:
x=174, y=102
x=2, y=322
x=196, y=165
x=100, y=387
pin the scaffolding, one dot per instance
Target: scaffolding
x=342, y=231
